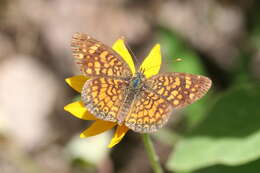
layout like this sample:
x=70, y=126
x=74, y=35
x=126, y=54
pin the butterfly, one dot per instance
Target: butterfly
x=142, y=99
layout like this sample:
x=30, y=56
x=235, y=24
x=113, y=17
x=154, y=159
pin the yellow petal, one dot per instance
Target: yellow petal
x=76, y=82
x=152, y=62
x=120, y=48
x=78, y=110
x=119, y=134
x=97, y=127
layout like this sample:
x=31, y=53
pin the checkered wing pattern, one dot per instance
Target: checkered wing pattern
x=163, y=94
x=97, y=59
x=180, y=89
x=148, y=113
x=103, y=97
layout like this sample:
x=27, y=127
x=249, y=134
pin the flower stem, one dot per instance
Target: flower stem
x=151, y=154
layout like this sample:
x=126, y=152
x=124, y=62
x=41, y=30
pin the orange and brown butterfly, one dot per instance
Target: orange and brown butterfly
x=139, y=99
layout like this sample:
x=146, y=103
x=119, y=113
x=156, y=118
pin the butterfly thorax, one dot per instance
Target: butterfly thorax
x=136, y=82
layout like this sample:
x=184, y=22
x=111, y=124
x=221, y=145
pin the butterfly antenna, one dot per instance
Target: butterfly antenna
x=130, y=51
x=142, y=70
x=176, y=60
x=150, y=68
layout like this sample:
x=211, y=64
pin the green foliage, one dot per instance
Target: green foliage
x=252, y=167
x=173, y=47
x=255, y=29
x=230, y=133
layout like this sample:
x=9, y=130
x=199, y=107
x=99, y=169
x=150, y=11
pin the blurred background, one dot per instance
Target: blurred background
x=216, y=38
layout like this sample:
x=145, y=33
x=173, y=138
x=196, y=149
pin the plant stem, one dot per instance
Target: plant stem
x=151, y=154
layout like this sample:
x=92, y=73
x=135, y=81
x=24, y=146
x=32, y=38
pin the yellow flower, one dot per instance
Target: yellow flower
x=152, y=63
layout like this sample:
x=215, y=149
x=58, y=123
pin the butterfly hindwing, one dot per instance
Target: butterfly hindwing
x=103, y=97
x=149, y=112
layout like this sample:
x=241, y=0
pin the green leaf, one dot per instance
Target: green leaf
x=251, y=167
x=230, y=133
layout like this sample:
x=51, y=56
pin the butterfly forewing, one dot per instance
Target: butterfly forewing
x=103, y=97
x=162, y=95
x=97, y=59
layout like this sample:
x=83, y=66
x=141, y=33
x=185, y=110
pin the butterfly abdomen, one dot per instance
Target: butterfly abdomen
x=131, y=94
